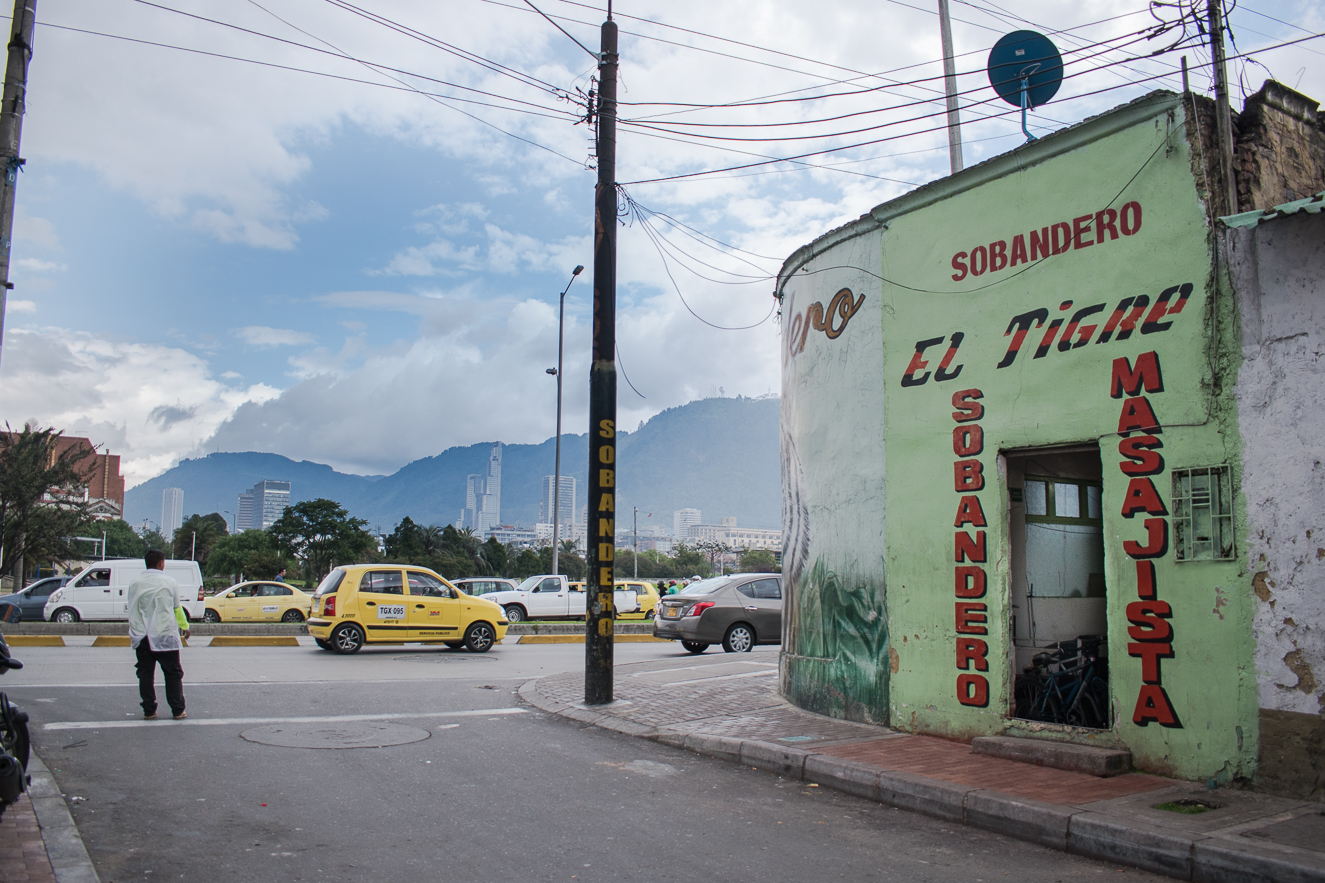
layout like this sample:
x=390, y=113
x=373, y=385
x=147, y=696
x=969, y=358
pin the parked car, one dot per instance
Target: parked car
x=31, y=601
x=552, y=596
x=258, y=602
x=739, y=611
x=483, y=585
x=399, y=604
x=98, y=590
x=646, y=595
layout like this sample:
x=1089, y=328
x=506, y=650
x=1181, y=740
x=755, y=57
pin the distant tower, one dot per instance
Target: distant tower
x=261, y=506
x=491, y=515
x=172, y=511
x=473, y=501
x=567, y=501
x=244, y=514
x=681, y=521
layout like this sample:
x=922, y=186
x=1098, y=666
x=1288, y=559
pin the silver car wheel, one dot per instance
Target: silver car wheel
x=514, y=613
x=740, y=639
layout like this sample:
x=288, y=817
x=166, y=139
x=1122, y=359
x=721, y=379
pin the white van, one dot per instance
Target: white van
x=100, y=591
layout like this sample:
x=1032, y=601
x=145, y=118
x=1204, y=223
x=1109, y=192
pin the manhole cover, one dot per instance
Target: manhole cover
x=356, y=734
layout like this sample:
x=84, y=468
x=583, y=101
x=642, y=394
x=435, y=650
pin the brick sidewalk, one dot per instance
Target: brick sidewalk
x=22, y=852
x=727, y=706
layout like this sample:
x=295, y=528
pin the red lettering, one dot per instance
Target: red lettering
x=968, y=548
x=1127, y=380
x=1019, y=250
x=970, y=512
x=1105, y=221
x=1150, y=655
x=971, y=618
x=968, y=441
x=1081, y=229
x=918, y=363
x=1157, y=540
x=968, y=475
x=1137, y=414
x=943, y=373
x=1145, y=580
x=968, y=409
x=970, y=582
x=998, y=256
x=1142, y=496
x=972, y=650
x=1152, y=704
x=1153, y=323
x=1040, y=243
x=1133, y=211
x=979, y=260
x=1083, y=333
x=973, y=690
x=1139, y=449
x=1063, y=243
x=959, y=264
x=1149, y=621
x=1128, y=325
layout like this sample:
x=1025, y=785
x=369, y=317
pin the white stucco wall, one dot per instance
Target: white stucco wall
x=1278, y=271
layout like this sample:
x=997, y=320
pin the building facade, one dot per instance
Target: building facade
x=172, y=511
x=683, y=520
x=261, y=506
x=566, y=503
x=482, y=510
x=1013, y=415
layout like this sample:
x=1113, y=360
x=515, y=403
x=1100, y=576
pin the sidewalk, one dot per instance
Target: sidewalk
x=727, y=706
x=38, y=839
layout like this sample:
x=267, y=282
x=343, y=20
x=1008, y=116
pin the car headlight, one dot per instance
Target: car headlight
x=56, y=595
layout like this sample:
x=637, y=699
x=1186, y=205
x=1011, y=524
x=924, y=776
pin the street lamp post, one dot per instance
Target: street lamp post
x=556, y=372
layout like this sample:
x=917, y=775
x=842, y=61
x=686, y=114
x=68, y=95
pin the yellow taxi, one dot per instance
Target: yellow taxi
x=258, y=601
x=400, y=604
x=646, y=596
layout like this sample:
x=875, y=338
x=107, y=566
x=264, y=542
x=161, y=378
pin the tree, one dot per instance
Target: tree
x=34, y=465
x=321, y=534
x=121, y=541
x=196, y=536
x=406, y=543
x=758, y=561
x=689, y=562
x=152, y=539
x=495, y=555
x=570, y=561
x=713, y=550
x=251, y=553
x=528, y=563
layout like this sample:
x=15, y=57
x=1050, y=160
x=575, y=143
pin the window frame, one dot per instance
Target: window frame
x=1182, y=530
x=1083, y=501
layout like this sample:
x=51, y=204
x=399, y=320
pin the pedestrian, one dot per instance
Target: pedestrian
x=155, y=623
x=280, y=577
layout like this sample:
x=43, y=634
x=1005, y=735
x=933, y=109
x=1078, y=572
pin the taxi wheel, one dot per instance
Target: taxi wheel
x=347, y=639
x=454, y=645
x=292, y=616
x=515, y=613
x=211, y=616
x=65, y=614
x=479, y=638
x=325, y=645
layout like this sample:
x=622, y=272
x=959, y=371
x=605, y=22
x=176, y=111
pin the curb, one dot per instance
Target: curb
x=1181, y=854
x=64, y=845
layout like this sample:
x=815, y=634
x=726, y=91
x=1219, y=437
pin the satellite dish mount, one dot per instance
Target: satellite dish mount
x=1025, y=70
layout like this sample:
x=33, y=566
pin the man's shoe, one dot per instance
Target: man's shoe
x=180, y=716
x=149, y=717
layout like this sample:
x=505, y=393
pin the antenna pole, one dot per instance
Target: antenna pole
x=1223, y=116
x=1025, y=97
x=950, y=87
x=598, y=637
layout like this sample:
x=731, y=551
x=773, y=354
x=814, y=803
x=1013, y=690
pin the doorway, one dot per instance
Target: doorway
x=1059, y=622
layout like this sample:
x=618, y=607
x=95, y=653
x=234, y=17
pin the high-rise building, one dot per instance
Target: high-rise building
x=260, y=507
x=482, y=510
x=566, y=504
x=172, y=511
x=681, y=521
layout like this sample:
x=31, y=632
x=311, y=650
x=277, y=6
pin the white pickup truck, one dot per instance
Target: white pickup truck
x=551, y=597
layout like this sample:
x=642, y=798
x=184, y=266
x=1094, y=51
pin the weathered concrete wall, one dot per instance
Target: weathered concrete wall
x=1279, y=154
x=1278, y=271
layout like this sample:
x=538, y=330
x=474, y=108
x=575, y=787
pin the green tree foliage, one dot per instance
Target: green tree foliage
x=121, y=541
x=452, y=553
x=250, y=553
x=32, y=466
x=197, y=535
x=496, y=555
x=571, y=562
x=152, y=539
x=528, y=563
x=321, y=534
x=690, y=561
x=759, y=561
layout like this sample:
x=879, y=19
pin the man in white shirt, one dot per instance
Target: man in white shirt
x=155, y=623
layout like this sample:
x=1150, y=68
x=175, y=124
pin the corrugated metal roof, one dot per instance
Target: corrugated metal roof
x=1313, y=204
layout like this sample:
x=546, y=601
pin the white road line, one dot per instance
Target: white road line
x=747, y=674
x=233, y=721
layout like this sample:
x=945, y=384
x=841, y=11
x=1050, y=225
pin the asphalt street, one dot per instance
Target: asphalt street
x=480, y=785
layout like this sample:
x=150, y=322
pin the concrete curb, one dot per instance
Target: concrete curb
x=205, y=629
x=1186, y=856
x=64, y=845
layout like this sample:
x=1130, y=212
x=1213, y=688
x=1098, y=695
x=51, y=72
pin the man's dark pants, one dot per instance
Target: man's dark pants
x=148, y=659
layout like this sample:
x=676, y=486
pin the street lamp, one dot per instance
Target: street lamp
x=556, y=372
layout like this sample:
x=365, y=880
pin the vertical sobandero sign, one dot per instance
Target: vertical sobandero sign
x=602, y=393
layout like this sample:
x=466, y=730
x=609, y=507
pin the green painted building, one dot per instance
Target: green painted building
x=1011, y=417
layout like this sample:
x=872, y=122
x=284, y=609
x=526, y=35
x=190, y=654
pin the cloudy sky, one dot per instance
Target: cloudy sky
x=337, y=230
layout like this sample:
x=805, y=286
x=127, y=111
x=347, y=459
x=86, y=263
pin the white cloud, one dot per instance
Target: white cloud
x=148, y=403
x=263, y=336
x=36, y=265
x=21, y=306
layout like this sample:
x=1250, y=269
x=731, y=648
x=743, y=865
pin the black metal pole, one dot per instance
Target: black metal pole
x=602, y=392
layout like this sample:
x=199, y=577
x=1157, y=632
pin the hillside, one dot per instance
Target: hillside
x=718, y=455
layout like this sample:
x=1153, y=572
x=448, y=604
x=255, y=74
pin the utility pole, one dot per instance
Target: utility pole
x=950, y=86
x=598, y=636
x=556, y=473
x=1223, y=116
x=635, y=531
x=12, y=105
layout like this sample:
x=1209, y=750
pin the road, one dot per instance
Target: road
x=487, y=788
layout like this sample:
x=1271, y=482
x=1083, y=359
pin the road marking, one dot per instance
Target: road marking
x=244, y=721
x=245, y=641
x=747, y=674
x=579, y=639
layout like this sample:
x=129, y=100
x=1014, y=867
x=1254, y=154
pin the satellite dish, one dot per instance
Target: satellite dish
x=1025, y=70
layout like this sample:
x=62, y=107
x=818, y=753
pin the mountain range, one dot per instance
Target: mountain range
x=718, y=455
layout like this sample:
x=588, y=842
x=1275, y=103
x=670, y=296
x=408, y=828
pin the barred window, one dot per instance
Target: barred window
x=1203, y=514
